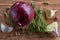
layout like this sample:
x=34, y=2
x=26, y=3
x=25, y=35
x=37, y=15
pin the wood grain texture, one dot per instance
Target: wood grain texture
x=54, y=4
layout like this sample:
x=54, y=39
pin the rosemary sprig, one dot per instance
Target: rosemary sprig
x=38, y=23
x=41, y=24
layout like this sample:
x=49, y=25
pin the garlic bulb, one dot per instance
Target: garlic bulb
x=53, y=12
x=53, y=27
x=6, y=29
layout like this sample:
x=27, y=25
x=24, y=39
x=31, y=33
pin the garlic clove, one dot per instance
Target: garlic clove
x=53, y=27
x=5, y=28
x=53, y=12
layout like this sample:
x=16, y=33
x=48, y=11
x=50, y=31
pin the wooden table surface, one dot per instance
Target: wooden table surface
x=54, y=4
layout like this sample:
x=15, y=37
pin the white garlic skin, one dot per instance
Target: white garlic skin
x=53, y=27
x=53, y=12
x=5, y=28
x=10, y=29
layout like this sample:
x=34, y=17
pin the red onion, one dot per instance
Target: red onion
x=21, y=13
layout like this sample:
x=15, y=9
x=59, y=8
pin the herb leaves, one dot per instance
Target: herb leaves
x=38, y=23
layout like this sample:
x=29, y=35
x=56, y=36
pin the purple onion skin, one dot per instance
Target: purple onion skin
x=21, y=13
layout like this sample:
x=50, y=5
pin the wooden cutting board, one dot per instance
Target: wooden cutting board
x=54, y=4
